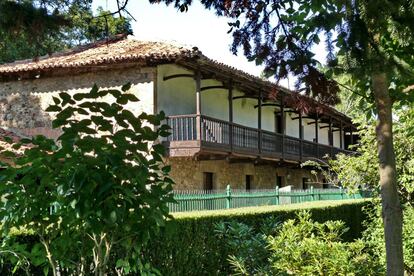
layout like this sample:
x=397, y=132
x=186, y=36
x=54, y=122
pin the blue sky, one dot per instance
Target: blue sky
x=197, y=27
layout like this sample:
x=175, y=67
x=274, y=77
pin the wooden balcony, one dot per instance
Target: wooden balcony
x=199, y=134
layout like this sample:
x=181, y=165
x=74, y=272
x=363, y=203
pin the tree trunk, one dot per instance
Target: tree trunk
x=391, y=207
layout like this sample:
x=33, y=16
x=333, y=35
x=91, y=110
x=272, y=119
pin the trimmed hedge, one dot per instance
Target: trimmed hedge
x=189, y=246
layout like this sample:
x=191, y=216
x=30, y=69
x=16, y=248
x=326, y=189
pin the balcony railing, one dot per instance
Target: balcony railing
x=231, y=137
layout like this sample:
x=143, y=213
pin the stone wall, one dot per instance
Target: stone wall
x=188, y=174
x=23, y=103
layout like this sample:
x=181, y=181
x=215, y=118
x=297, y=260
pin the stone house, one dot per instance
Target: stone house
x=228, y=127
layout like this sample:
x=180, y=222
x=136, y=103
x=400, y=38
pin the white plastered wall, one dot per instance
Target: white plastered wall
x=244, y=112
x=323, y=134
x=268, y=118
x=308, y=130
x=292, y=126
x=336, y=137
x=214, y=102
x=175, y=96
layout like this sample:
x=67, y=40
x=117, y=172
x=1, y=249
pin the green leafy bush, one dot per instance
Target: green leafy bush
x=95, y=196
x=298, y=246
x=373, y=236
x=189, y=245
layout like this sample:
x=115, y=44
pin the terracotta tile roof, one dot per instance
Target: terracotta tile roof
x=116, y=50
x=122, y=50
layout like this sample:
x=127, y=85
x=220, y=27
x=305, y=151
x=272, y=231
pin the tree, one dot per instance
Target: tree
x=369, y=40
x=34, y=28
x=96, y=195
x=355, y=170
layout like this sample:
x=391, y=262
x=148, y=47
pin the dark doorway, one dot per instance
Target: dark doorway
x=249, y=182
x=279, y=181
x=324, y=184
x=278, y=123
x=305, y=181
x=208, y=181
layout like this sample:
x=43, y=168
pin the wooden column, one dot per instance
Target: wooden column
x=317, y=134
x=198, y=104
x=330, y=132
x=300, y=136
x=231, y=116
x=259, y=123
x=330, y=136
x=282, y=110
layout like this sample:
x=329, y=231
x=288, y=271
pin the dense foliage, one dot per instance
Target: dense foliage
x=29, y=29
x=188, y=245
x=373, y=236
x=297, y=246
x=100, y=189
x=362, y=169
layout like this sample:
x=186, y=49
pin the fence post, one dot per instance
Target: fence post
x=277, y=195
x=312, y=193
x=342, y=192
x=228, y=197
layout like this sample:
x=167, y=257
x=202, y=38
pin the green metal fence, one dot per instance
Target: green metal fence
x=194, y=200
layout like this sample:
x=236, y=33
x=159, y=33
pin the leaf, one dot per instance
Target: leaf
x=79, y=96
x=126, y=87
x=94, y=90
x=53, y=108
x=56, y=100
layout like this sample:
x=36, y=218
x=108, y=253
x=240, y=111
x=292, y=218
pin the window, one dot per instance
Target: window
x=279, y=181
x=305, y=181
x=208, y=181
x=249, y=182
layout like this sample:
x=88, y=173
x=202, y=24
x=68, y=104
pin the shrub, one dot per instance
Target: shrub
x=298, y=246
x=189, y=245
x=105, y=179
x=373, y=236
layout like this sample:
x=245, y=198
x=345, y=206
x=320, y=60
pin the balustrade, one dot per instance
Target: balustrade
x=214, y=132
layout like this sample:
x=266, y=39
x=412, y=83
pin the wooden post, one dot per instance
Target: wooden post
x=317, y=134
x=300, y=136
x=259, y=123
x=282, y=109
x=330, y=136
x=231, y=116
x=198, y=104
